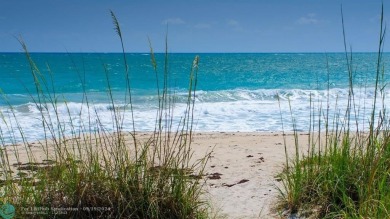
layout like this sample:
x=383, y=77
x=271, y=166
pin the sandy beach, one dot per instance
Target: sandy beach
x=242, y=171
x=241, y=174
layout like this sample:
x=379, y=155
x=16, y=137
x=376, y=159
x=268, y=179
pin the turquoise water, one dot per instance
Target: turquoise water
x=236, y=92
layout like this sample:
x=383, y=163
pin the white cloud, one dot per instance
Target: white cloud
x=203, y=26
x=308, y=19
x=233, y=23
x=173, y=21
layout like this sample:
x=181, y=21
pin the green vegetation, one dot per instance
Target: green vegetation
x=345, y=173
x=96, y=174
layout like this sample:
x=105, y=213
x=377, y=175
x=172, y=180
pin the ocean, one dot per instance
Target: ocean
x=235, y=91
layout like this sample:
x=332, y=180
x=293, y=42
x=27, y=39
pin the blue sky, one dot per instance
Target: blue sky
x=193, y=26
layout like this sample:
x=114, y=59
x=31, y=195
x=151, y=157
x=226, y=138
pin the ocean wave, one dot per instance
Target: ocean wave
x=281, y=94
x=228, y=110
x=151, y=97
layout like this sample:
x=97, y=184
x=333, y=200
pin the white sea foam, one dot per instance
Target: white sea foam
x=230, y=110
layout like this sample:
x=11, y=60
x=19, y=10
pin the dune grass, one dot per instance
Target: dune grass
x=344, y=173
x=93, y=173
